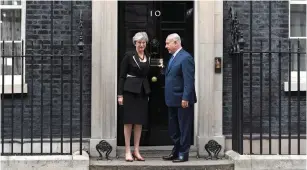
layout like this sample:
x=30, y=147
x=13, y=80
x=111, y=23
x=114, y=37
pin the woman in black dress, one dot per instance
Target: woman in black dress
x=133, y=93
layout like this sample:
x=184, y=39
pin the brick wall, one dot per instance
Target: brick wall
x=260, y=31
x=38, y=30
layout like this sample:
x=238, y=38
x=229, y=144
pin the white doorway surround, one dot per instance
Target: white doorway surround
x=104, y=74
x=208, y=45
x=208, y=37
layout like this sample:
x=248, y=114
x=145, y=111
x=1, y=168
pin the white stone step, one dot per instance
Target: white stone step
x=159, y=164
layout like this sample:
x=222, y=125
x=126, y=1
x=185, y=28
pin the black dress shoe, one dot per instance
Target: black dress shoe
x=181, y=159
x=169, y=157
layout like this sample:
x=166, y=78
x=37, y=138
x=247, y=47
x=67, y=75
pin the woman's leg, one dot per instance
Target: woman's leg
x=127, y=133
x=137, y=137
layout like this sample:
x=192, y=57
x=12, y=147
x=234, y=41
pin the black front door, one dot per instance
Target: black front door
x=158, y=19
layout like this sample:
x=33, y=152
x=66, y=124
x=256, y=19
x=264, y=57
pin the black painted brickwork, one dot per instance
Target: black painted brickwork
x=38, y=30
x=260, y=31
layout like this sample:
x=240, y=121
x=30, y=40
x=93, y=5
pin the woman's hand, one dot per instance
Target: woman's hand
x=120, y=100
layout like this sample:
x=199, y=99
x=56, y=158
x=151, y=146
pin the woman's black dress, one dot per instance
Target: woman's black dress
x=135, y=109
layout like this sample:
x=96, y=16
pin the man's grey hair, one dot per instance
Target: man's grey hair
x=140, y=36
x=174, y=37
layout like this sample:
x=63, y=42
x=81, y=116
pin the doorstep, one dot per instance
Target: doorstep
x=158, y=163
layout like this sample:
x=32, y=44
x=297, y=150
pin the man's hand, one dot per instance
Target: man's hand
x=184, y=104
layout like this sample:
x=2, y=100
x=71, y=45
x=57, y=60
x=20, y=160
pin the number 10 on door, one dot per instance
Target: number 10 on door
x=156, y=13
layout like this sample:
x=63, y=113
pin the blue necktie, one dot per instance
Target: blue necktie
x=170, y=61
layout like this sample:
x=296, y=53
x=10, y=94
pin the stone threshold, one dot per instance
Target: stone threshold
x=158, y=163
x=153, y=151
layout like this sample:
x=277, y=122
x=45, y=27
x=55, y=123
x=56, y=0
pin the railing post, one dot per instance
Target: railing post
x=81, y=48
x=236, y=52
x=2, y=100
x=241, y=43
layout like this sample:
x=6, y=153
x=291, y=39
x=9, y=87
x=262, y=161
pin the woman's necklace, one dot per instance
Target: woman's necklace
x=142, y=58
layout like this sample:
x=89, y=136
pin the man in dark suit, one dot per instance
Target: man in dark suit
x=180, y=97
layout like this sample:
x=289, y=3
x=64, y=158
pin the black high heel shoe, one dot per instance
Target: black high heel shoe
x=136, y=158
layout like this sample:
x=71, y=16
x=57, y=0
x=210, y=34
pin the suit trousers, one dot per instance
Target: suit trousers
x=181, y=128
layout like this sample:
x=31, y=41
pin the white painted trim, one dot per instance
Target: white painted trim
x=289, y=23
x=23, y=26
x=17, y=87
x=104, y=75
x=116, y=79
x=297, y=1
x=196, y=51
x=297, y=37
x=301, y=3
x=9, y=41
x=11, y=6
x=294, y=82
x=294, y=86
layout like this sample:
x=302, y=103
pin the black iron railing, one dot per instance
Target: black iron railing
x=48, y=86
x=41, y=98
x=265, y=107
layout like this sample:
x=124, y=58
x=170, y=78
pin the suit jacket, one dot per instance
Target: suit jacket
x=133, y=77
x=180, y=80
